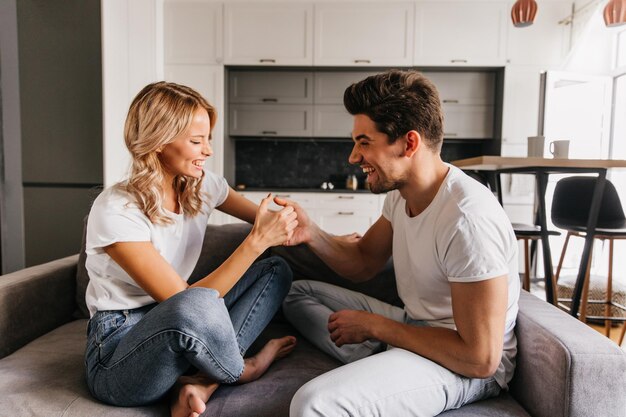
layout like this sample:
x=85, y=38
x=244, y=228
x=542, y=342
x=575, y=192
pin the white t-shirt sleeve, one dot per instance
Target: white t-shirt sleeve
x=216, y=188
x=389, y=204
x=475, y=250
x=112, y=223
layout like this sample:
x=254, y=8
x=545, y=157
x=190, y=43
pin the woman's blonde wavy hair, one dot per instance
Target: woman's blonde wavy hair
x=158, y=114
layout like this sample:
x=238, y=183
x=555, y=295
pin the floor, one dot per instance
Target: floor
x=538, y=289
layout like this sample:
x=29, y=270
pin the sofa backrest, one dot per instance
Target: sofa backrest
x=565, y=368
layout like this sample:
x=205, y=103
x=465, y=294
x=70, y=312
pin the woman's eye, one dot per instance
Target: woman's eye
x=195, y=142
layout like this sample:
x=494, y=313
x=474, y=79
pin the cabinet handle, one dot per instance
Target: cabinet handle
x=269, y=132
x=283, y=195
x=451, y=101
x=268, y=60
x=346, y=213
x=362, y=61
x=459, y=61
x=346, y=197
x=450, y=134
x=269, y=100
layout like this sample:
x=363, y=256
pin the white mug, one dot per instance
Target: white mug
x=535, y=146
x=560, y=149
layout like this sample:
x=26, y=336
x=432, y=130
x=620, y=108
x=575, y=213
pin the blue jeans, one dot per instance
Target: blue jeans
x=377, y=380
x=133, y=357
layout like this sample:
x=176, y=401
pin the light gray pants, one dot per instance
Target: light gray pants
x=392, y=383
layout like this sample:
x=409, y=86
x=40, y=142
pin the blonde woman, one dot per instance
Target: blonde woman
x=151, y=332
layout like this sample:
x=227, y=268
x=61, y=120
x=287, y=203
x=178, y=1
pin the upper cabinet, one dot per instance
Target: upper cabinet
x=545, y=43
x=268, y=33
x=192, y=32
x=363, y=34
x=458, y=33
x=255, y=87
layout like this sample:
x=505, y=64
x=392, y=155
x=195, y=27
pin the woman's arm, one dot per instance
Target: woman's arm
x=238, y=206
x=156, y=276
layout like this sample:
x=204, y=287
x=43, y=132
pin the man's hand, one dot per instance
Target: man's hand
x=350, y=326
x=302, y=233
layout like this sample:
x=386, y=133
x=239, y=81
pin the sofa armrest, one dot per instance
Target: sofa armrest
x=35, y=300
x=565, y=368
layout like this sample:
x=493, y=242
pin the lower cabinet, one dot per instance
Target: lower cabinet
x=336, y=213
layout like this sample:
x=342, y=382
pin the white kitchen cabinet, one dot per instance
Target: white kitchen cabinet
x=521, y=107
x=336, y=213
x=268, y=33
x=192, y=32
x=363, y=34
x=460, y=33
x=468, y=121
x=271, y=87
x=545, y=43
x=464, y=88
x=332, y=121
x=276, y=120
x=329, y=86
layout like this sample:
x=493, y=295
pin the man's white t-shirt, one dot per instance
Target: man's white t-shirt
x=462, y=236
x=114, y=217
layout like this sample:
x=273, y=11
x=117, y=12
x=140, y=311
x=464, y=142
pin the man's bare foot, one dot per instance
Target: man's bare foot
x=274, y=349
x=190, y=395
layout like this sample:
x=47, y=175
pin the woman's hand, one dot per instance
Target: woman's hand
x=272, y=228
x=305, y=228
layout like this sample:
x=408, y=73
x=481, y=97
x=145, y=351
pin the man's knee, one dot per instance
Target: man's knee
x=314, y=399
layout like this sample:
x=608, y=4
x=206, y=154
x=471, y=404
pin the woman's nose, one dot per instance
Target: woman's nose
x=207, y=149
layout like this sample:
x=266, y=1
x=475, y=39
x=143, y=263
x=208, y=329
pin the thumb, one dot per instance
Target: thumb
x=265, y=202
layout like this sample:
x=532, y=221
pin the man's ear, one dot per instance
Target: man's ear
x=413, y=140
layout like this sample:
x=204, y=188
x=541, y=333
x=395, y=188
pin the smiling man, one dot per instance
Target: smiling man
x=455, y=259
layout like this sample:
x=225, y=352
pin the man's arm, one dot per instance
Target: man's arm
x=473, y=350
x=357, y=259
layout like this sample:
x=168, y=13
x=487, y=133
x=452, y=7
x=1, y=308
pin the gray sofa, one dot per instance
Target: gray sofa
x=564, y=368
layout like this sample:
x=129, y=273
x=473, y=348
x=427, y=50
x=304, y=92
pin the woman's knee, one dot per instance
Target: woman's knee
x=279, y=271
x=199, y=312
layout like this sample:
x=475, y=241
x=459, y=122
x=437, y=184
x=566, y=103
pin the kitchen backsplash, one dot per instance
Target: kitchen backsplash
x=293, y=164
x=307, y=163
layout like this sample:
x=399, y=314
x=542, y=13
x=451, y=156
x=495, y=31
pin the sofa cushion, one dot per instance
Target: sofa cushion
x=560, y=359
x=47, y=378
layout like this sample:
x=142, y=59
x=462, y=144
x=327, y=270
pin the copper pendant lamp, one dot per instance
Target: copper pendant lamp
x=615, y=13
x=523, y=13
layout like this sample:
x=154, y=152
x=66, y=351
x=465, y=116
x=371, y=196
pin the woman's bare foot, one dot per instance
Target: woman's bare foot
x=190, y=395
x=274, y=349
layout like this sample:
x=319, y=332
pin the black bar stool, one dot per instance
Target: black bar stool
x=529, y=233
x=570, y=209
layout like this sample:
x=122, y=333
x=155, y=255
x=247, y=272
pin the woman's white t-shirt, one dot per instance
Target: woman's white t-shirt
x=114, y=217
x=464, y=235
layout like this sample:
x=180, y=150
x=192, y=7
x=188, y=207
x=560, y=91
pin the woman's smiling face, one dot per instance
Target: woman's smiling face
x=187, y=153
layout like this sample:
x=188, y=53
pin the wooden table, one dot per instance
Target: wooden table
x=541, y=168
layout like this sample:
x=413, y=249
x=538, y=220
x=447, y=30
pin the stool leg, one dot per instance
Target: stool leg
x=555, y=279
x=526, y=283
x=621, y=336
x=585, y=294
x=609, y=293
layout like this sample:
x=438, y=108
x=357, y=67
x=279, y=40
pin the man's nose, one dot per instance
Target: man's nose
x=355, y=156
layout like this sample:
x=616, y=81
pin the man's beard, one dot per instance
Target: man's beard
x=385, y=186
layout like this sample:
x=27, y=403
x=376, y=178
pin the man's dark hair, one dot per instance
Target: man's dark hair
x=398, y=101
